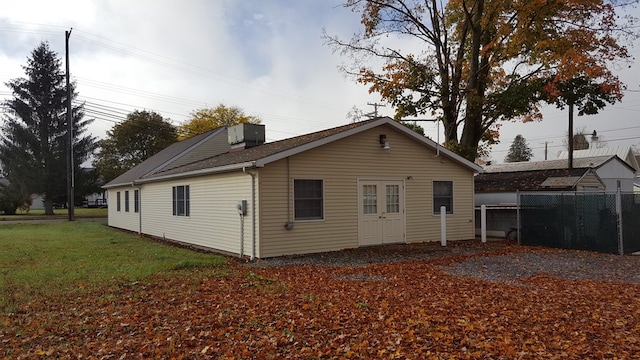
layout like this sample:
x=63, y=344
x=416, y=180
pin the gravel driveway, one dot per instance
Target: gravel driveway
x=493, y=261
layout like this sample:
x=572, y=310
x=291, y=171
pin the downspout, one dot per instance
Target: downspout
x=253, y=210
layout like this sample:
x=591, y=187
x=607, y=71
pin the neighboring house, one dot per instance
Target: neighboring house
x=367, y=183
x=610, y=176
x=498, y=186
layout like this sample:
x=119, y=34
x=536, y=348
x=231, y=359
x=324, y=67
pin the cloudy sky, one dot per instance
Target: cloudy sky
x=266, y=57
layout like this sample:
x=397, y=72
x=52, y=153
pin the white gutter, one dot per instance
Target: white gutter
x=200, y=172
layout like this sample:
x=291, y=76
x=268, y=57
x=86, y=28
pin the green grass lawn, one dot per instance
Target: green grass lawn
x=65, y=257
x=58, y=213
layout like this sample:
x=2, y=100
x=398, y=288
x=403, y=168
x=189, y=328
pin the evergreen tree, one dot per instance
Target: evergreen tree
x=519, y=150
x=33, y=149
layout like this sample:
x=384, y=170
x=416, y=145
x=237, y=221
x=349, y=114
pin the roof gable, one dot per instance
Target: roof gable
x=262, y=155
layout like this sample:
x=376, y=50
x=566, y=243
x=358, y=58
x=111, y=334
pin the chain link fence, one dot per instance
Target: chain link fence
x=603, y=222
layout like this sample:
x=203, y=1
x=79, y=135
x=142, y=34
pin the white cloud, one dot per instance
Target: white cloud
x=268, y=58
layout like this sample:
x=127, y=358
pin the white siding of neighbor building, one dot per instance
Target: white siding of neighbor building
x=121, y=219
x=496, y=198
x=614, y=171
x=213, y=222
x=340, y=164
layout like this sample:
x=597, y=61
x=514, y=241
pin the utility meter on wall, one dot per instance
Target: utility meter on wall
x=242, y=207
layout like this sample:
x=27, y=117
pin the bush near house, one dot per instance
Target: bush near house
x=11, y=199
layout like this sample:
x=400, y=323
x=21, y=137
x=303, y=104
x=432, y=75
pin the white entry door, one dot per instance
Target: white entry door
x=381, y=212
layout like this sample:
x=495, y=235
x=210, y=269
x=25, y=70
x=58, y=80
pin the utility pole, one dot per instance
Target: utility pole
x=570, y=135
x=70, y=137
x=546, y=143
x=375, y=109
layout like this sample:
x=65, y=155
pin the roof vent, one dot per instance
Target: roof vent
x=244, y=136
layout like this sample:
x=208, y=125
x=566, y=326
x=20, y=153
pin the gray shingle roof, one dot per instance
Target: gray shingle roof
x=556, y=179
x=160, y=160
x=235, y=159
x=258, y=152
x=580, y=163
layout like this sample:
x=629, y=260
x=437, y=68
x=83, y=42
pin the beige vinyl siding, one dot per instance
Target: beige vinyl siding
x=122, y=219
x=340, y=164
x=214, y=221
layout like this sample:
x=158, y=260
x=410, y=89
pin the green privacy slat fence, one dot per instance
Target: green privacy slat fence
x=582, y=221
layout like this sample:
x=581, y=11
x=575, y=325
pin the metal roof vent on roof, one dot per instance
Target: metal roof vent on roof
x=244, y=136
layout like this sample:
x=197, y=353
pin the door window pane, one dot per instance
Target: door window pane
x=393, y=199
x=369, y=199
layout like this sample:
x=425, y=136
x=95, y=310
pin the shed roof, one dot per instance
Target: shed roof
x=533, y=180
x=579, y=163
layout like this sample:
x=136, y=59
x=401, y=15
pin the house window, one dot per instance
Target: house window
x=126, y=201
x=442, y=196
x=136, y=200
x=118, y=201
x=181, y=200
x=308, y=199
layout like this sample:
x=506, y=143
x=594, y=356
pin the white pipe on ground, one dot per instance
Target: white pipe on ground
x=483, y=223
x=443, y=225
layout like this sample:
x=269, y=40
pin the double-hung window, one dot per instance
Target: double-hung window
x=181, y=200
x=308, y=198
x=136, y=201
x=443, y=196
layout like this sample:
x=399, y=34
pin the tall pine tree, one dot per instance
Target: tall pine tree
x=519, y=150
x=33, y=146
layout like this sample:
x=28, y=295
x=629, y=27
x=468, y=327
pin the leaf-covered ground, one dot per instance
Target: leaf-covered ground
x=410, y=310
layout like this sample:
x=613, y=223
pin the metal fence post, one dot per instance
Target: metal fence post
x=518, y=215
x=619, y=222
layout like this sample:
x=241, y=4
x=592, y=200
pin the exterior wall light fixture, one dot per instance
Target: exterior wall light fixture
x=384, y=143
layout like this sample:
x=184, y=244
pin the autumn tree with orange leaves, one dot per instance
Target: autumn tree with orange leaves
x=480, y=62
